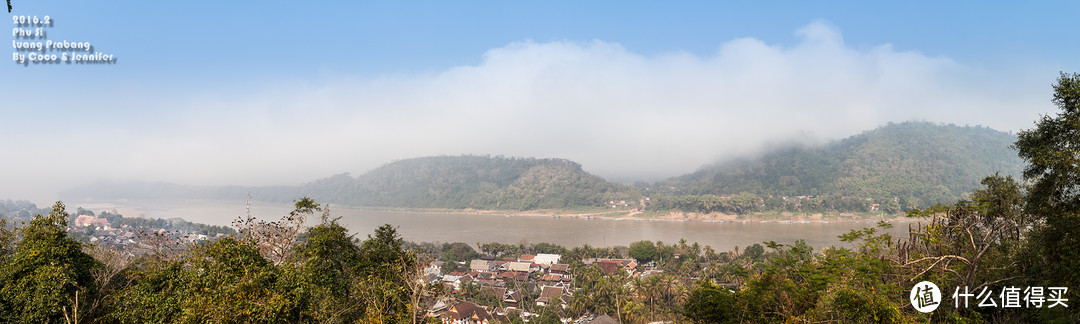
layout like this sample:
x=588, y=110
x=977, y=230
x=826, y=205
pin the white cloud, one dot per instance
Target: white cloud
x=619, y=113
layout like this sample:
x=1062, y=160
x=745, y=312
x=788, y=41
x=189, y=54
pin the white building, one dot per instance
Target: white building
x=546, y=259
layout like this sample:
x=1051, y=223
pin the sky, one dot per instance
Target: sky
x=285, y=92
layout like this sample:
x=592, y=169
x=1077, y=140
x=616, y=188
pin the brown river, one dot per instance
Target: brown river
x=474, y=228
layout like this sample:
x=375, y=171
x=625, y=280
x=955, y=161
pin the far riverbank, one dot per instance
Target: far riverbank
x=568, y=229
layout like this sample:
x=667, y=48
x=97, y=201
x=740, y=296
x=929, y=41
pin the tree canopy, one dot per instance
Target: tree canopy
x=920, y=163
x=1052, y=152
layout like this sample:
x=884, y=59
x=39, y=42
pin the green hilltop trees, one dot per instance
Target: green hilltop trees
x=1052, y=151
x=45, y=276
x=327, y=276
x=917, y=163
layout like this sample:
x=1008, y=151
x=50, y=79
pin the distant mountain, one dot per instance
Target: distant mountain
x=472, y=182
x=917, y=162
x=481, y=182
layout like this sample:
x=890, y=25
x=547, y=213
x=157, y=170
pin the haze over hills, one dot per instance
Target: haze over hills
x=917, y=163
x=471, y=181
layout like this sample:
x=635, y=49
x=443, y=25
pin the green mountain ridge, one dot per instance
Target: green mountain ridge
x=918, y=162
x=481, y=182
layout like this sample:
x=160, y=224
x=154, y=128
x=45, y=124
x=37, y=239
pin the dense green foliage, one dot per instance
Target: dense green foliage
x=44, y=272
x=920, y=164
x=1052, y=150
x=792, y=284
x=643, y=251
x=479, y=182
x=329, y=277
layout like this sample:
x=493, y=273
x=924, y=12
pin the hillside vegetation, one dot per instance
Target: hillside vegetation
x=912, y=164
x=481, y=182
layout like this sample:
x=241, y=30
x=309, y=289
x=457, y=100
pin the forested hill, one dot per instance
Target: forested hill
x=472, y=182
x=918, y=163
x=481, y=182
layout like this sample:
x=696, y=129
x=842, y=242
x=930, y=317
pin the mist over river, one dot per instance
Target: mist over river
x=474, y=228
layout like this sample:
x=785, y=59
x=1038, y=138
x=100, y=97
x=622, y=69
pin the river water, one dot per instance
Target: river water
x=474, y=228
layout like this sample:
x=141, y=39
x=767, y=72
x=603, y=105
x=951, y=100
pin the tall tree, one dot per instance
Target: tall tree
x=386, y=272
x=1052, y=153
x=41, y=282
x=643, y=251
